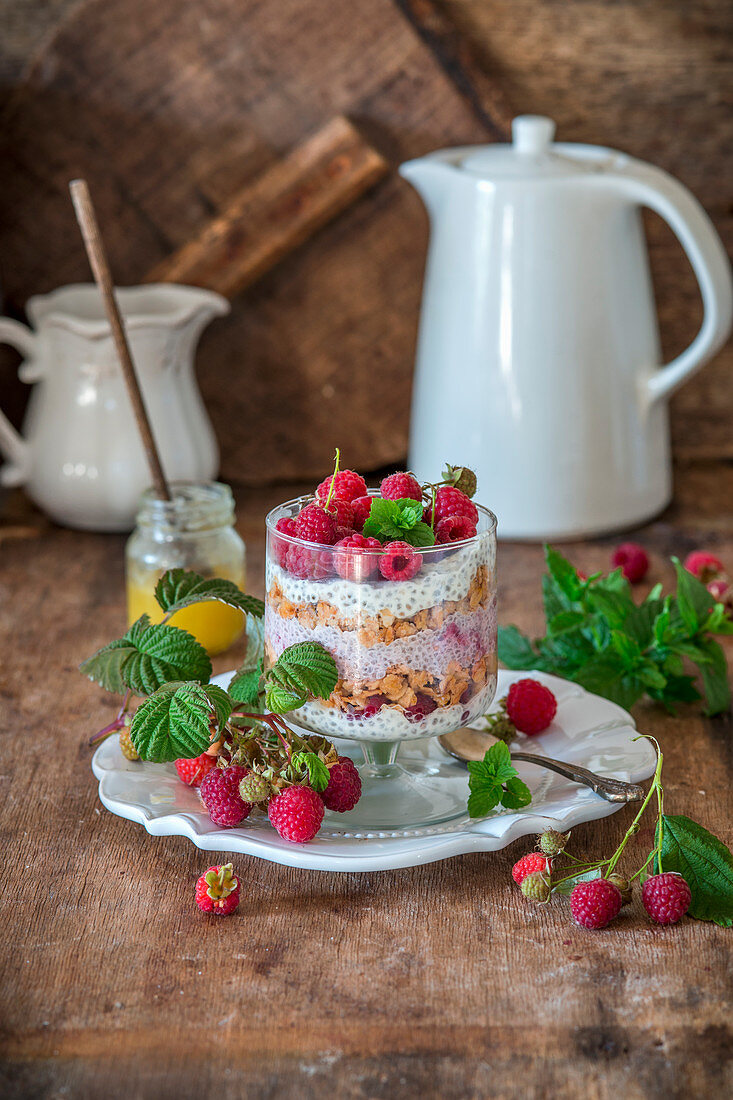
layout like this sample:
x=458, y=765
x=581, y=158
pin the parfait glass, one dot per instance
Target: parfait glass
x=414, y=641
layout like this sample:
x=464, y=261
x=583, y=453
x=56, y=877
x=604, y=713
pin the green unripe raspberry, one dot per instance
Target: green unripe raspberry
x=536, y=886
x=461, y=478
x=254, y=788
x=551, y=843
x=624, y=887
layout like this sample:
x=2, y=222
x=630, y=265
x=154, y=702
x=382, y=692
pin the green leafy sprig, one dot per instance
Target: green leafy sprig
x=399, y=520
x=600, y=638
x=182, y=714
x=680, y=845
x=495, y=780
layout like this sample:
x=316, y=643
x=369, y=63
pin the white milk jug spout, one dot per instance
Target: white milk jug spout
x=538, y=360
x=79, y=456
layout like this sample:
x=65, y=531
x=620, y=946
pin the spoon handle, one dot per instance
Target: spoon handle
x=613, y=790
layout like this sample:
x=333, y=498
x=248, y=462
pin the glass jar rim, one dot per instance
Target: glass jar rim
x=195, y=506
x=275, y=514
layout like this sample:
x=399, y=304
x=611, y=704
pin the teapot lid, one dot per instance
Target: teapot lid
x=533, y=154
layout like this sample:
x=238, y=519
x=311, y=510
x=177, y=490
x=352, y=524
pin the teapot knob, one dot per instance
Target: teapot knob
x=532, y=134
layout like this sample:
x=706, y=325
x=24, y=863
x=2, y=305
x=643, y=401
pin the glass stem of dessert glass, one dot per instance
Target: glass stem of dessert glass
x=414, y=640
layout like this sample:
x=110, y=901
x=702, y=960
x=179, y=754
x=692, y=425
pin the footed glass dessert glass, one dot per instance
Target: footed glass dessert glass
x=413, y=635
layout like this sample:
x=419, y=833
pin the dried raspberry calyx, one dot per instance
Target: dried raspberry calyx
x=221, y=882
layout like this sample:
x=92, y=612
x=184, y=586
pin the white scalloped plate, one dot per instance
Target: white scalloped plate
x=587, y=730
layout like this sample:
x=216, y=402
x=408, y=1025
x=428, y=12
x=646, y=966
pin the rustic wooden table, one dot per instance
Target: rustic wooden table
x=437, y=981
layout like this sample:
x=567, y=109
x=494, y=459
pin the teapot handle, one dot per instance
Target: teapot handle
x=15, y=449
x=696, y=233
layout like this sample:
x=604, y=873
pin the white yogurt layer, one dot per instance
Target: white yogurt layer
x=391, y=725
x=449, y=579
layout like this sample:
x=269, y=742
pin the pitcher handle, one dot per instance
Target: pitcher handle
x=696, y=233
x=15, y=449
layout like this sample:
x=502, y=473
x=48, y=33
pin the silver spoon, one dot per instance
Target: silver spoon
x=467, y=744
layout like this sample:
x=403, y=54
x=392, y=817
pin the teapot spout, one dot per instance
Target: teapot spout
x=429, y=176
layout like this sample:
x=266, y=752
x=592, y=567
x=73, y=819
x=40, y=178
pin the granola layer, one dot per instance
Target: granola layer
x=384, y=627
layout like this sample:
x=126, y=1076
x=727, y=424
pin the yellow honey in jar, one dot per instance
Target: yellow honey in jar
x=192, y=531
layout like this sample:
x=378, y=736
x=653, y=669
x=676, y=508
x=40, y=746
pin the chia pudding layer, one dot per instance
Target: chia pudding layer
x=415, y=658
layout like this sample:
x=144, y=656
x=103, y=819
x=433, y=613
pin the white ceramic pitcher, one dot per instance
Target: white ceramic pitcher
x=79, y=456
x=539, y=360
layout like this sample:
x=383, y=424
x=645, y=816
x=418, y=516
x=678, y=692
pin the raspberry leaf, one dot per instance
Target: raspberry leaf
x=303, y=670
x=245, y=685
x=147, y=657
x=703, y=861
x=180, y=588
x=493, y=780
x=317, y=770
x=179, y=720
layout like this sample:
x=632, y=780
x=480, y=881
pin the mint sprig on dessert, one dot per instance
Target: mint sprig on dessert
x=599, y=637
x=391, y=520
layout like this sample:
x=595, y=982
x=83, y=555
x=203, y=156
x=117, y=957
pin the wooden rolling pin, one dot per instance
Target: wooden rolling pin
x=277, y=211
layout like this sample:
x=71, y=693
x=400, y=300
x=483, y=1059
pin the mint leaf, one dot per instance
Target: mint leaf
x=704, y=862
x=398, y=520
x=515, y=649
x=421, y=534
x=176, y=721
x=147, y=657
x=693, y=599
x=317, y=770
x=516, y=794
x=179, y=588
x=302, y=670
x=563, y=573
x=714, y=672
x=494, y=779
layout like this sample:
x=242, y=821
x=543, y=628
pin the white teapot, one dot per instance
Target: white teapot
x=539, y=360
x=79, y=456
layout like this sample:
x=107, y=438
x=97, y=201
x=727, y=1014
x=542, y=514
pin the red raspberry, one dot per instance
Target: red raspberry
x=296, y=813
x=452, y=502
x=343, y=510
x=217, y=891
x=632, y=559
x=703, y=565
x=191, y=772
x=401, y=487
x=344, y=786
x=530, y=864
x=531, y=706
x=220, y=795
x=348, y=486
x=399, y=562
x=420, y=709
x=352, y=558
x=666, y=897
x=594, y=904
x=303, y=562
x=280, y=547
x=454, y=529
x=375, y=704
x=315, y=524
x=362, y=507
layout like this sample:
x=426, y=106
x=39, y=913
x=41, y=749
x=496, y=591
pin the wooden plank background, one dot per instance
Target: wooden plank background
x=647, y=77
